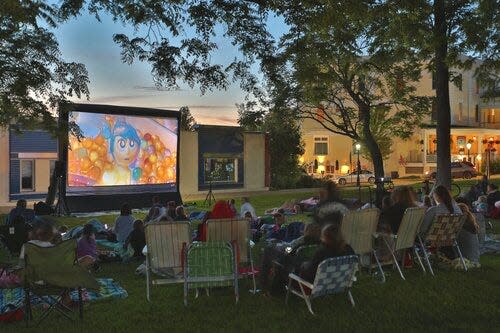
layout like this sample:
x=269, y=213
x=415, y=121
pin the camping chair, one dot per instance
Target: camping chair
x=57, y=267
x=237, y=230
x=405, y=238
x=165, y=241
x=334, y=275
x=443, y=232
x=358, y=230
x=208, y=265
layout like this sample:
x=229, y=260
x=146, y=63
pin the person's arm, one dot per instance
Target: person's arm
x=428, y=219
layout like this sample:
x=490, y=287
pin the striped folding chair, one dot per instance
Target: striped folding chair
x=334, y=275
x=208, y=265
x=359, y=230
x=443, y=232
x=237, y=230
x=405, y=238
x=165, y=242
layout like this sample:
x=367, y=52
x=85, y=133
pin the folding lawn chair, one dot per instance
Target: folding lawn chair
x=59, y=272
x=165, y=242
x=334, y=275
x=443, y=232
x=405, y=238
x=237, y=230
x=359, y=230
x=208, y=265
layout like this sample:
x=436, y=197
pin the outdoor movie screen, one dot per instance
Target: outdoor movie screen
x=122, y=152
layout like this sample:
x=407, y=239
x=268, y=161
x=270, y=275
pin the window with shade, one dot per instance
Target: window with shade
x=321, y=145
x=221, y=170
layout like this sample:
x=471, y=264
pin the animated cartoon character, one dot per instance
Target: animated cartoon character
x=124, y=146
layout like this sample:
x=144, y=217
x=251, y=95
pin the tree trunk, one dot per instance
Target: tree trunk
x=375, y=153
x=442, y=95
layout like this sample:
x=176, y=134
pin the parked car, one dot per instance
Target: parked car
x=364, y=176
x=458, y=170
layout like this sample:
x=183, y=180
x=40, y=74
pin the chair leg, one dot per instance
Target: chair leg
x=350, y=297
x=460, y=254
x=306, y=298
x=426, y=256
x=27, y=306
x=415, y=251
x=254, y=291
x=394, y=257
x=186, y=292
x=80, y=302
x=148, y=280
x=382, y=275
x=288, y=290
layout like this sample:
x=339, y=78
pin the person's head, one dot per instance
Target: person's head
x=427, y=201
x=386, y=202
x=156, y=200
x=45, y=231
x=312, y=231
x=138, y=225
x=442, y=195
x=248, y=215
x=124, y=143
x=179, y=211
x=125, y=210
x=232, y=202
x=464, y=207
x=492, y=187
x=403, y=196
x=279, y=217
x=88, y=231
x=326, y=210
x=331, y=237
x=483, y=199
x=21, y=203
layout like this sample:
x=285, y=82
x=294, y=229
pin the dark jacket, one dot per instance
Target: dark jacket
x=393, y=216
x=308, y=270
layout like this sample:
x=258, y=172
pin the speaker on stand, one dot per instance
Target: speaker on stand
x=61, y=207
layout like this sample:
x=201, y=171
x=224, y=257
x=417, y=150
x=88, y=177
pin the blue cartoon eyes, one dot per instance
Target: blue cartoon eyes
x=122, y=143
x=131, y=143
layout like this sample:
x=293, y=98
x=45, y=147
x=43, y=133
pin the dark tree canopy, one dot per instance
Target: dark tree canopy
x=187, y=122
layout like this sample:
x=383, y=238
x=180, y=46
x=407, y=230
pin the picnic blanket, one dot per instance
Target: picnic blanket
x=14, y=298
x=117, y=248
x=490, y=245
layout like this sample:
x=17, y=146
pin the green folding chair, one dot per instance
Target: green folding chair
x=53, y=271
x=209, y=265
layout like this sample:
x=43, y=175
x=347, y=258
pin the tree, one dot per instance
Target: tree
x=335, y=82
x=187, y=122
x=34, y=79
x=446, y=35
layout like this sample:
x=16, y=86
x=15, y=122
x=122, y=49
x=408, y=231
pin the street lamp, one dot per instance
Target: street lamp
x=468, y=145
x=358, y=148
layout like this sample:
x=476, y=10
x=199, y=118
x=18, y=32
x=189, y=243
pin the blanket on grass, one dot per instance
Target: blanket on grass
x=14, y=298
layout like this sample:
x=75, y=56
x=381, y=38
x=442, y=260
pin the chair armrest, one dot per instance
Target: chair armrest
x=300, y=280
x=384, y=234
x=275, y=262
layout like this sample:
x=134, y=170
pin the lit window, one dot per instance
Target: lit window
x=321, y=146
x=27, y=175
x=221, y=170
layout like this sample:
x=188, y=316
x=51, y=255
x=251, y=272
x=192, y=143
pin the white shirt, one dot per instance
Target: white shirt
x=247, y=207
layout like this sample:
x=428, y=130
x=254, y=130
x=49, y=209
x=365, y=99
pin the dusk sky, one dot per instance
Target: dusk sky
x=88, y=41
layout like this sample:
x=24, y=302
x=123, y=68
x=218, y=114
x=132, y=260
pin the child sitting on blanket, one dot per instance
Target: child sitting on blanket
x=86, y=249
x=137, y=239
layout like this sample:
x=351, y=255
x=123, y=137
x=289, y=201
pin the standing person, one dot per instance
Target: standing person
x=444, y=205
x=124, y=223
x=247, y=207
x=86, y=249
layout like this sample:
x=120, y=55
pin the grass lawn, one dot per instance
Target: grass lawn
x=450, y=301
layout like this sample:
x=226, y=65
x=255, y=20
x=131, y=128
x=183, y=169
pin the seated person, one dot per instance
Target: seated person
x=232, y=206
x=180, y=215
x=137, y=239
x=492, y=197
x=254, y=225
x=444, y=205
x=124, y=224
x=42, y=235
x=221, y=210
x=171, y=205
x=21, y=210
x=86, y=250
x=276, y=231
x=246, y=206
x=481, y=205
x=17, y=234
x=332, y=245
x=468, y=237
x=391, y=217
x=155, y=210
x=285, y=255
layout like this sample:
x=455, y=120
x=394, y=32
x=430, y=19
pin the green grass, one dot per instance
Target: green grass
x=450, y=301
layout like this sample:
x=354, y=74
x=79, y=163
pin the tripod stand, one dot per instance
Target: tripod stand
x=210, y=195
x=61, y=206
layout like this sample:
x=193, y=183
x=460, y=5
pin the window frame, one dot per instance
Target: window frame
x=321, y=140
x=235, y=161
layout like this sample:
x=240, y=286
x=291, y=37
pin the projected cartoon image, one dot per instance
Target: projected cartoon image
x=122, y=150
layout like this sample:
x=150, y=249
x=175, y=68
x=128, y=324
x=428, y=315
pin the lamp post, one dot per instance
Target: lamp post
x=468, y=145
x=358, y=165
